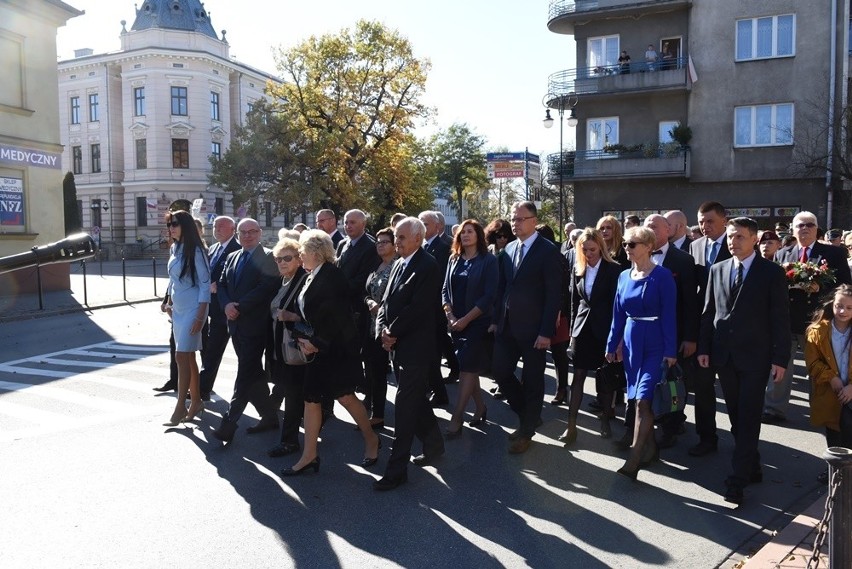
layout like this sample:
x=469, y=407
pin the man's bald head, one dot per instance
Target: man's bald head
x=678, y=223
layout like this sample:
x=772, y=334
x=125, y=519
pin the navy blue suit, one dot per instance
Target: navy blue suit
x=217, y=331
x=528, y=302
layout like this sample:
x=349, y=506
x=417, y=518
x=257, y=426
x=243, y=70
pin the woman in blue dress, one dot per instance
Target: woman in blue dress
x=642, y=335
x=470, y=288
x=189, y=289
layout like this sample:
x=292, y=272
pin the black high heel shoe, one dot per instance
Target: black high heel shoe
x=368, y=462
x=315, y=464
x=481, y=420
x=631, y=474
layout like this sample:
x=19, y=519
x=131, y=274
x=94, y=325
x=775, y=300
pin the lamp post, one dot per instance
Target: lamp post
x=561, y=102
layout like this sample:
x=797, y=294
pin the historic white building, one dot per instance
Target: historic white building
x=139, y=125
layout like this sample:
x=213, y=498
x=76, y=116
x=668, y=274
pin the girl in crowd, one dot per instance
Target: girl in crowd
x=642, y=334
x=827, y=355
x=610, y=230
x=189, y=290
x=333, y=341
x=376, y=365
x=593, y=286
x=470, y=286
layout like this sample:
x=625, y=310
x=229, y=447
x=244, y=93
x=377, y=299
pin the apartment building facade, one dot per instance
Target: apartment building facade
x=751, y=79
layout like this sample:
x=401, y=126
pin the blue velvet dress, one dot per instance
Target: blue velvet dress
x=644, y=316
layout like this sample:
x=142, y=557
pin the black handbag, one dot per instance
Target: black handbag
x=610, y=378
x=670, y=392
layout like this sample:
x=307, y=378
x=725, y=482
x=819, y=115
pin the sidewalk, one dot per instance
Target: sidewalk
x=103, y=286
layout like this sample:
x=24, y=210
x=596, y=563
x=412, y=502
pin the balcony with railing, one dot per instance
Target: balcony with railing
x=563, y=14
x=664, y=75
x=644, y=161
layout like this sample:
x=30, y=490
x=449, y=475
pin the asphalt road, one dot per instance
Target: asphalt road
x=91, y=478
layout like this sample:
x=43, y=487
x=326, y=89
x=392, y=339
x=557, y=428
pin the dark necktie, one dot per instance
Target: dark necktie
x=714, y=252
x=519, y=257
x=738, y=283
x=217, y=255
x=241, y=263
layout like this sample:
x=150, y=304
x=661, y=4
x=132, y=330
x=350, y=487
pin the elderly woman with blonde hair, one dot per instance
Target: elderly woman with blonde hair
x=328, y=335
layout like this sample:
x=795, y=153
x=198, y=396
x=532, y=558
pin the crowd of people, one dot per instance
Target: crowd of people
x=325, y=316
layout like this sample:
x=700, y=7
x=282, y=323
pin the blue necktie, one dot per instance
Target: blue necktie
x=244, y=255
x=714, y=252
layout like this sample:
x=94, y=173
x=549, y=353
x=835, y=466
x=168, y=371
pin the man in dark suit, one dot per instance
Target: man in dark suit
x=224, y=231
x=802, y=303
x=406, y=323
x=529, y=296
x=438, y=248
x=247, y=285
x=678, y=227
x=682, y=268
x=745, y=336
x=710, y=249
x=327, y=221
x=567, y=244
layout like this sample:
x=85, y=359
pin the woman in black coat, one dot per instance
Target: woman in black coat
x=330, y=337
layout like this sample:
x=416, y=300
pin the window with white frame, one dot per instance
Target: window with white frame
x=93, y=107
x=763, y=125
x=761, y=38
x=600, y=133
x=602, y=53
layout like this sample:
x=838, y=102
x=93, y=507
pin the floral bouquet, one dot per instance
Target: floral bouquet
x=809, y=277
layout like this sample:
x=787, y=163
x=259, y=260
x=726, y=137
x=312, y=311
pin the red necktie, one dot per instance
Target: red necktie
x=804, y=257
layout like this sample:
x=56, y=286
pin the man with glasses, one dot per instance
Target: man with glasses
x=224, y=232
x=528, y=301
x=327, y=221
x=247, y=285
x=806, y=249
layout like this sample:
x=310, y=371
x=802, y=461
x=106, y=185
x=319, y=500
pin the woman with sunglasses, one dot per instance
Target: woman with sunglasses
x=498, y=234
x=376, y=368
x=288, y=379
x=642, y=335
x=189, y=290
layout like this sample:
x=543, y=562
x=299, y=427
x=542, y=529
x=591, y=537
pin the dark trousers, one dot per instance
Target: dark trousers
x=376, y=386
x=211, y=356
x=436, y=380
x=526, y=396
x=559, y=353
x=173, y=371
x=702, y=382
x=250, y=385
x=289, y=388
x=413, y=418
x=843, y=437
x=743, y=391
x=448, y=350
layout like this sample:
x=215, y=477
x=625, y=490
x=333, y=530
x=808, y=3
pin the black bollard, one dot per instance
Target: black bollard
x=839, y=460
x=124, y=278
x=154, y=266
x=85, y=287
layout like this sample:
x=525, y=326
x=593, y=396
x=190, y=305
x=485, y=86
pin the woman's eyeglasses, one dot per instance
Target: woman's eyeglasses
x=631, y=244
x=284, y=258
x=172, y=223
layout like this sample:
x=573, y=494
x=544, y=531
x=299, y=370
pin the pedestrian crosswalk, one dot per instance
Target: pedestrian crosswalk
x=93, y=384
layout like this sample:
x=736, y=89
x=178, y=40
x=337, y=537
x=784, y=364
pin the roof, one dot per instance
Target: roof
x=188, y=15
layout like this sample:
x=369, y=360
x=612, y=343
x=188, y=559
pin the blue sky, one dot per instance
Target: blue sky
x=490, y=59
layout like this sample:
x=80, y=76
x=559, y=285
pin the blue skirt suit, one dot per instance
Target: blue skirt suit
x=186, y=296
x=644, y=316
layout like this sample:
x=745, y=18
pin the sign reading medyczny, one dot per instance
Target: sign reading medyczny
x=30, y=157
x=11, y=201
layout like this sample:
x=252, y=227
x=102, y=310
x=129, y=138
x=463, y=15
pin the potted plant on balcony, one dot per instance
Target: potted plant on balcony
x=681, y=134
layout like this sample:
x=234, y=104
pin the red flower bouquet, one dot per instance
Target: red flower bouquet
x=810, y=277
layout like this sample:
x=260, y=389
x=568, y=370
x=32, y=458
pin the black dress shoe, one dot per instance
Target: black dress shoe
x=499, y=395
x=452, y=378
x=390, y=482
x=734, y=495
x=771, y=418
x=427, y=459
x=312, y=465
x=283, y=449
x=226, y=430
x=625, y=442
x=205, y=395
x=755, y=478
x=703, y=448
x=168, y=386
x=262, y=426
x=595, y=405
x=667, y=440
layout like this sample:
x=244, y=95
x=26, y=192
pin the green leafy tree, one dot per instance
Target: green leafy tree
x=69, y=200
x=355, y=98
x=460, y=164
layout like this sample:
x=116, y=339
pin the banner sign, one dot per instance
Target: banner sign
x=11, y=201
x=39, y=158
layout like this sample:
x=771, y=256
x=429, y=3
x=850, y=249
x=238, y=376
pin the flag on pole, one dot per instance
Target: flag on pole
x=693, y=75
x=152, y=204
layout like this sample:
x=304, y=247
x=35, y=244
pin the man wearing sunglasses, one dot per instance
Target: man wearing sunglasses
x=224, y=232
x=802, y=305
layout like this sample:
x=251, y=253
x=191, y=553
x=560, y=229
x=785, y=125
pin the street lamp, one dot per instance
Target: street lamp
x=560, y=103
